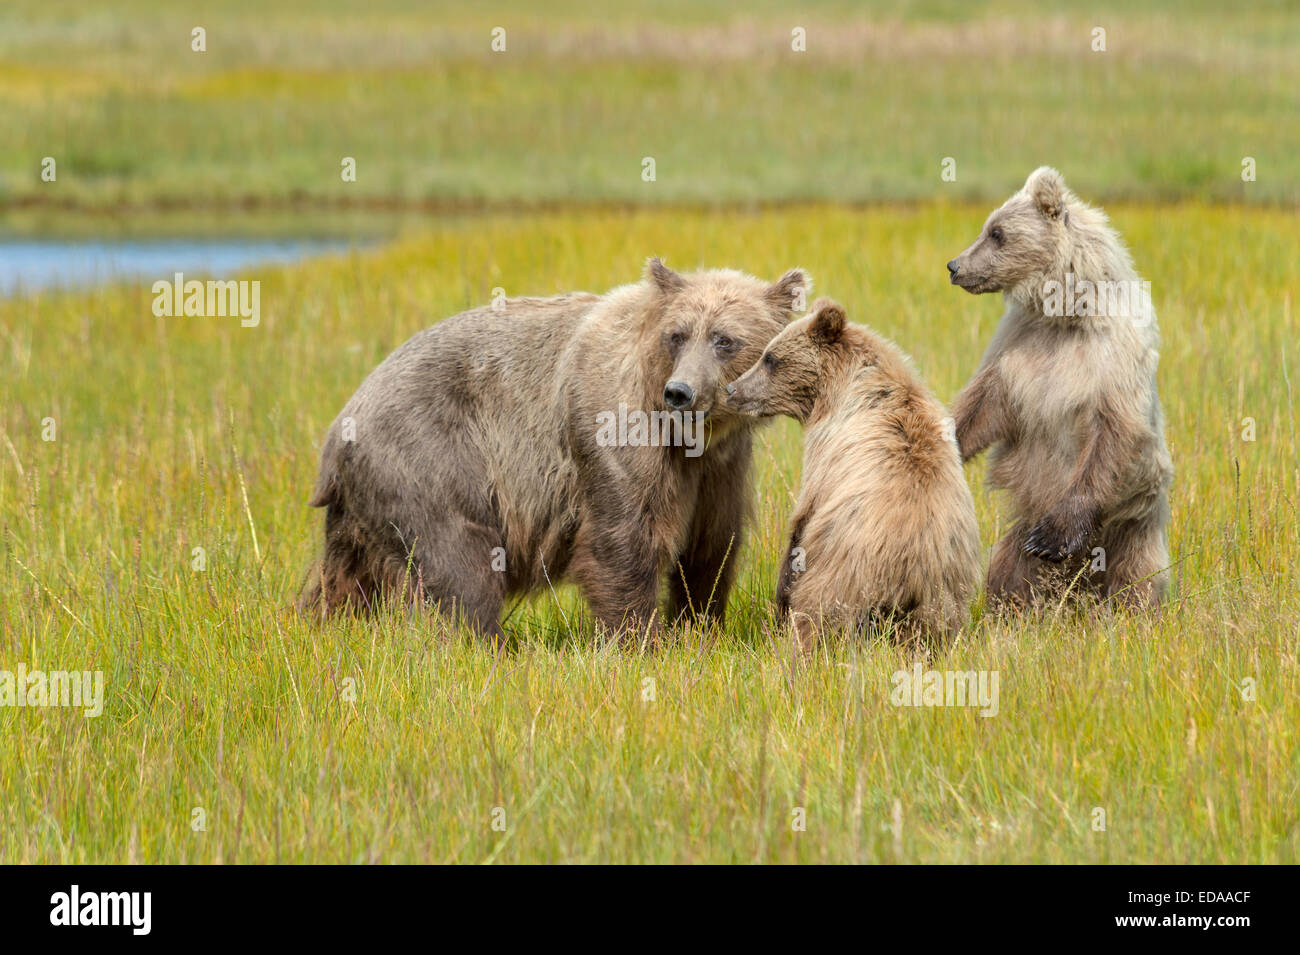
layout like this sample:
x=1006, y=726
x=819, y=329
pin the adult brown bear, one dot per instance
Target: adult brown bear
x=477, y=461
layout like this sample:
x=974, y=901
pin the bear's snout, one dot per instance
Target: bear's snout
x=678, y=395
x=738, y=397
x=953, y=267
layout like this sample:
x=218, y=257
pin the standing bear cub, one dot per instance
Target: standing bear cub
x=884, y=529
x=577, y=437
x=1066, y=394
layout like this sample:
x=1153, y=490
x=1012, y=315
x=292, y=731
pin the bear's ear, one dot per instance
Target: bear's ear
x=1046, y=187
x=662, y=277
x=827, y=322
x=790, y=292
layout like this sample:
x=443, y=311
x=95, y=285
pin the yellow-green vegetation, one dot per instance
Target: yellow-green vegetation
x=582, y=93
x=393, y=739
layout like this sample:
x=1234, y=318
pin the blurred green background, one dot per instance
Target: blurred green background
x=580, y=96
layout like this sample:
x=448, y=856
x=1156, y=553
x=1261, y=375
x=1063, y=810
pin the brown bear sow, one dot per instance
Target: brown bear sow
x=577, y=437
x=1066, y=395
x=884, y=529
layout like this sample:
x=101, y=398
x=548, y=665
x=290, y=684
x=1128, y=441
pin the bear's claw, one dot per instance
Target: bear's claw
x=1055, y=539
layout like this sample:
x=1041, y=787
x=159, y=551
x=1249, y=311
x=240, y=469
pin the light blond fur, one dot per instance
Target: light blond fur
x=884, y=529
x=1068, y=403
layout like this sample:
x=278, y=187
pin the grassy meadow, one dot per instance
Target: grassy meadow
x=581, y=95
x=154, y=472
x=394, y=740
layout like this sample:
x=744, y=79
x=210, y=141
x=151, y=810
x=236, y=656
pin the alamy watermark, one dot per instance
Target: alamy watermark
x=82, y=689
x=919, y=687
x=1084, y=298
x=211, y=299
x=651, y=429
x=130, y=909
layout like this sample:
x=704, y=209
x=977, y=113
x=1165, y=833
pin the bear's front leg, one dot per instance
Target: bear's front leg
x=618, y=571
x=792, y=565
x=981, y=413
x=700, y=580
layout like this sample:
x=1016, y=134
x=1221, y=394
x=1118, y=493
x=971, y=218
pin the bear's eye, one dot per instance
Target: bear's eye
x=676, y=338
x=769, y=361
x=996, y=235
x=723, y=342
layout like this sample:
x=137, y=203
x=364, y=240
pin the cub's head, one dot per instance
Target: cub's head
x=710, y=326
x=788, y=377
x=1022, y=242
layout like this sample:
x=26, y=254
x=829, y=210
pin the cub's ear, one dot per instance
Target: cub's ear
x=1046, y=187
x=662, y=277
x=827, y=322
x=790, y=292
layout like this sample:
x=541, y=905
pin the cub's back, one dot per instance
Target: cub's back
x=889, y=519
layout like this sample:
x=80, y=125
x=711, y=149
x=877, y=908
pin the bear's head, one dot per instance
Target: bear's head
x=707, y=328
x=788, y=377
x=1022, y=243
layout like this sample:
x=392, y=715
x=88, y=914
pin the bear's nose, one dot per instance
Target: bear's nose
x=678, y=395
x=952, y=267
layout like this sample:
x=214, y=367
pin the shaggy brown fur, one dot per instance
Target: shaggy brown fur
x=1068, y=399
x=884, y=529
x=469, y=464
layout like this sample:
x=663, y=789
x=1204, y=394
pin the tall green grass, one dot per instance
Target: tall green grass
x=394, y=739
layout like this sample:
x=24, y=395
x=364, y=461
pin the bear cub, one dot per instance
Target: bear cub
x=1066, y=396
x=884, y=530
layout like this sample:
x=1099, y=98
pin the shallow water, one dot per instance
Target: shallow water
x=28, y=265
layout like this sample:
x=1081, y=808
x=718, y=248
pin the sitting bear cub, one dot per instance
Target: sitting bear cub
x=884, y=529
